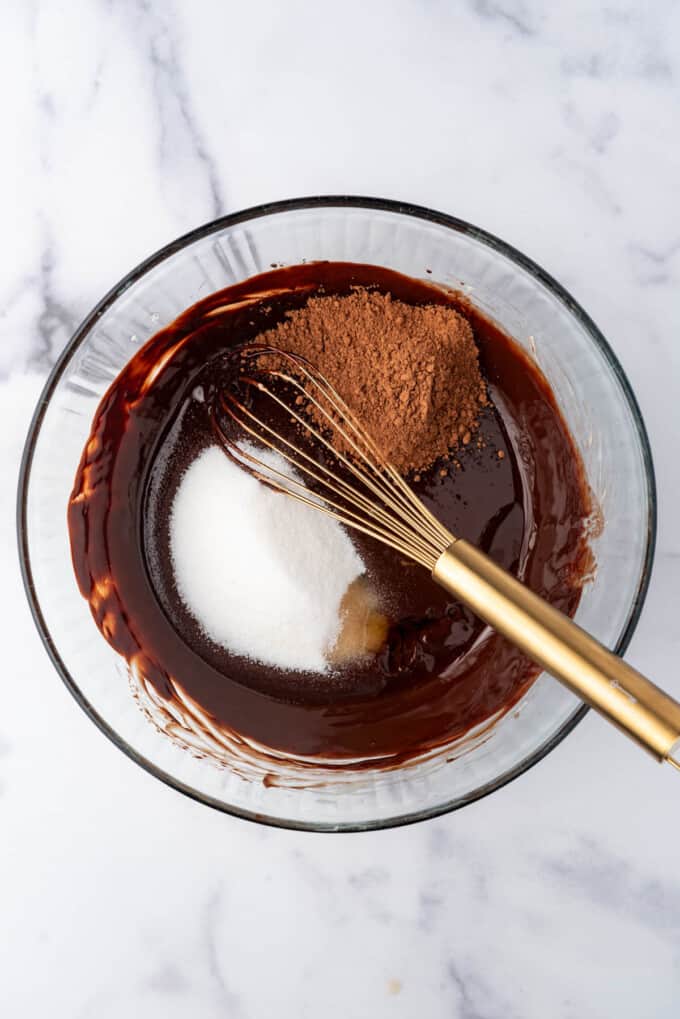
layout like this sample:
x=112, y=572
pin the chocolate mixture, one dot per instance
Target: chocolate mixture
x=519, y=494
x=410, y=374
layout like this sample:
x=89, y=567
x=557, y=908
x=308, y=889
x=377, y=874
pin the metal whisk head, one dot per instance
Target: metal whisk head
x=351, y=481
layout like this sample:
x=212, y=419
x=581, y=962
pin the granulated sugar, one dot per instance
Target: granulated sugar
x=262, y=574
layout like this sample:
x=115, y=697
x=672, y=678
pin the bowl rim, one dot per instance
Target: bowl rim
x=418, y=212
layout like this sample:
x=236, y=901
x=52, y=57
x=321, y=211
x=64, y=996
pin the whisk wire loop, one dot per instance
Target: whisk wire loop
x=299, y=490
x=383, y=507
x=338, y=482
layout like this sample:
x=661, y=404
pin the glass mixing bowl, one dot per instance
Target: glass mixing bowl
x=590, y=387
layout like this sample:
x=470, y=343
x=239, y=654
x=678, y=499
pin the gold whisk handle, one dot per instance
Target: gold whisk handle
x=624, y=696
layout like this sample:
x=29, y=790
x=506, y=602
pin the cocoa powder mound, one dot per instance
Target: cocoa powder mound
x=410, y=374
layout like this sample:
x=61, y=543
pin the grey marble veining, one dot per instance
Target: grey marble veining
x=126, y=124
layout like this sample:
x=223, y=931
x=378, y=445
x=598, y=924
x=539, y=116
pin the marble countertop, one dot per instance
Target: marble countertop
x=126, y=124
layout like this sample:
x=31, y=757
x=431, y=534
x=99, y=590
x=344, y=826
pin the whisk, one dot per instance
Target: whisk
x=334, y=466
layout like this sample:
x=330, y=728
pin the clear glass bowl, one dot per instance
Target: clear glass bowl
x=590, y=386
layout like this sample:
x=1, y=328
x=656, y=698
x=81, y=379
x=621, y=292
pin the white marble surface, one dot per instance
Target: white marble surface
x=125, y=124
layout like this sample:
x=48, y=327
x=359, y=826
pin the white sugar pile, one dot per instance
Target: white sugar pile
x=262, y=574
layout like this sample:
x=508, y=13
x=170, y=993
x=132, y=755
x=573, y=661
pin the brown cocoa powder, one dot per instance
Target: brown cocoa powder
x=410, y=373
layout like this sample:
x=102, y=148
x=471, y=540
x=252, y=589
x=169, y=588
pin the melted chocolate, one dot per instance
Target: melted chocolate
x=441, y=671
